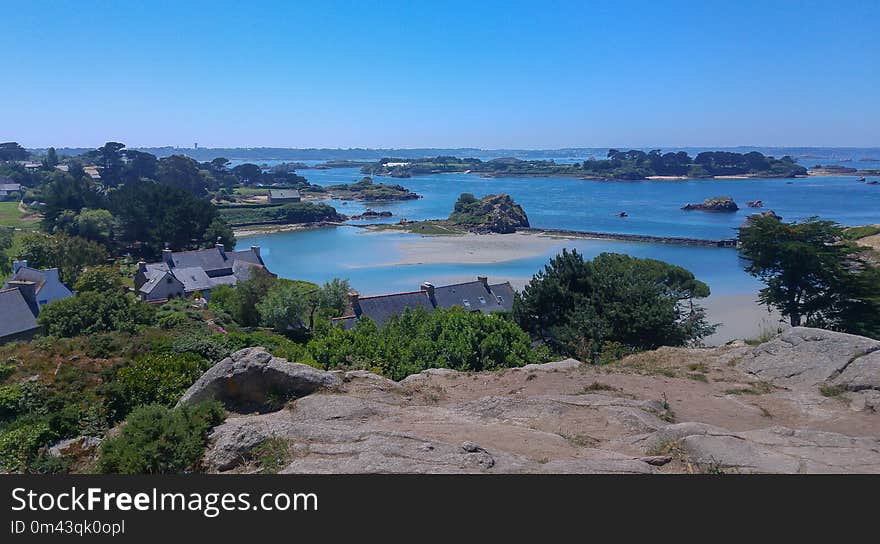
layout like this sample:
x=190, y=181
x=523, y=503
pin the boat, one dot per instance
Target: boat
x=622, y=214
x=861, y=178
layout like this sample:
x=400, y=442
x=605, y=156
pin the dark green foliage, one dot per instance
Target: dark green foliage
x=94, y=312
x=368, y=191
x=12, y=151
x=70, y=254
x=622, y=165
x=579, y=306
x=153, y=378
x=101, y=279
x=241, y=301
x=156, y=214
x=813, y=275
x=417, y=340
x=159, y=440
x=182, y=172
x=293, y=212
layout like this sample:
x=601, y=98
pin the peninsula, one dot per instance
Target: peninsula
x=618, y=165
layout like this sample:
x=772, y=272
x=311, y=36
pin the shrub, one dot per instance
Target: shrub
x=93, y=312
x=20, y=445
x=417, y=340
x=160, y=440
x=153, y=379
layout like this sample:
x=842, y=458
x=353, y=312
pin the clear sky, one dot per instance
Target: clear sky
x=441, y=74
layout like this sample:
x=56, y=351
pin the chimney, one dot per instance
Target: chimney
x=142, y=267
x=256, y=250
x=220, y=247
x=166, y=257
x=484, y=280
x=354, y=302
x=428, y=287
x=17, y=265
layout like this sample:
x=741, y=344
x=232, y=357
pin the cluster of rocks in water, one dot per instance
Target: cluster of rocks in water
x=806, y=401
x=715, y=204
x=371, y=214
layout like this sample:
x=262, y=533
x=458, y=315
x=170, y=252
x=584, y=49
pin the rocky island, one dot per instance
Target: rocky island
x=715, y=204
x=366, y=190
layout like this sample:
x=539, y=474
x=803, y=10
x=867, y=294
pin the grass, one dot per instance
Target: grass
x=579, y=440
x=426, y=228
x=831, y=390
x=598, y=386
x=855, y=233
x=757, y=388
x=272, y=455
x=12, y=216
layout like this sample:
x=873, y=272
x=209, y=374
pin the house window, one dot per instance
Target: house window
x=467, y=304
x=482, y=300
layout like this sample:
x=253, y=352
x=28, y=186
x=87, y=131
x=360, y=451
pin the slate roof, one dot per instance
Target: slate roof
x=475, y=296
x=16, y=316
x=381, y=308
x=203, y=269
x=26, y=273
x=283, y=194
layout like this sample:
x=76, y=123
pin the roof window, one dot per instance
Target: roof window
x=467, y=304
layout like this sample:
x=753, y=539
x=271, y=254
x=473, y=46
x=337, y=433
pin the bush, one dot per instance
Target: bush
x=417, y=340
x=20, y=445
x=160, y=440
x=94, y=312
x=153, y=379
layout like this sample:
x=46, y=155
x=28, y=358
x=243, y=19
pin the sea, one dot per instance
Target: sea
x=368, y=260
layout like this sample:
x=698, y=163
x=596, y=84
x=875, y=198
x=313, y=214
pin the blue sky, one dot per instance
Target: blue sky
x=442, y=74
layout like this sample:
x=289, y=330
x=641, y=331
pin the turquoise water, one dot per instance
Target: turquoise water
x=368, y=259
x=653, y=206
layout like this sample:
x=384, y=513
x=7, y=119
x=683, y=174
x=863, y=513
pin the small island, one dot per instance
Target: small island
x=490, y=214
x=365, y=190
x=715, y=204
x=618, y=165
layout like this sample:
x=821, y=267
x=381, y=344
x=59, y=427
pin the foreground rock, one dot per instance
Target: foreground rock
x=252, y=380
x=716, y=204
x=729, y=409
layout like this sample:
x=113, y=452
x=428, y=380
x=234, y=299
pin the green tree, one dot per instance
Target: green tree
x=241, y=301
x=580, y=306
x=70, y=254
x=182, y=172
x=12, y=151
x=100, y=279
x=284, y=307
x=812, y=274
x=51, y=158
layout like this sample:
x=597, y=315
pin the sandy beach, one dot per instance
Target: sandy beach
x=475, y=248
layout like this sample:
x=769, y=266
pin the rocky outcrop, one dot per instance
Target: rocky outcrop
x=492, y=213
x=803, y=356
x=716, y=204
x=730, y=409
x=251, y=379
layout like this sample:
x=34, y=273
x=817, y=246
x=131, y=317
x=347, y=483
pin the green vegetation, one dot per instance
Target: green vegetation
x=368, y=191
x=857, y=233
x=418, y=340
x=159, y=440
x=605, y=308
x=813, y=274
x=290, y=213
x=493, y=213
x=426, y=228
x=11, y=215
x=618, y=165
